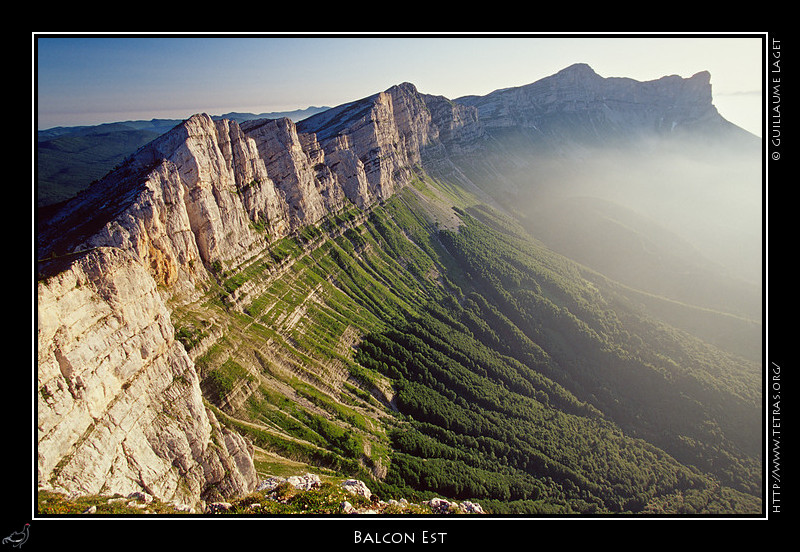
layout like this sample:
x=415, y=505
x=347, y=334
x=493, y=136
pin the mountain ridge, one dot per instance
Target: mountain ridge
x=69, y=158
x=204, y=207
x=363, y=175
x=618, y=105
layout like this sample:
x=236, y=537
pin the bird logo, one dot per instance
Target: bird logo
x=18, y=538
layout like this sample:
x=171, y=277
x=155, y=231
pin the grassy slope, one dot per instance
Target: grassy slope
x=278, y=365
x=274, y=342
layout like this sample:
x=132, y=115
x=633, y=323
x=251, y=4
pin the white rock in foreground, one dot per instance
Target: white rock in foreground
x=356, y=487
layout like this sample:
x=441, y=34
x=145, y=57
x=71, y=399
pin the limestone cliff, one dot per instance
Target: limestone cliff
x=577, y=103
x=197, y=194
x=119, y=403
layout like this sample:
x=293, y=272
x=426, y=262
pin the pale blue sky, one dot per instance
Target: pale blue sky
x=97, y=79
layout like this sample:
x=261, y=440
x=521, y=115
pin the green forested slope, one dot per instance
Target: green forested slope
x=457, y=356
x=533, y=388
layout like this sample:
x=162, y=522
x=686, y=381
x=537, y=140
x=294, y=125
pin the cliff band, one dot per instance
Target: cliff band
x=119, y=402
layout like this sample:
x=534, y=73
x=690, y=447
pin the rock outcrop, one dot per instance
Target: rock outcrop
x=368, y=504
x=373, y=145
x=119, y=404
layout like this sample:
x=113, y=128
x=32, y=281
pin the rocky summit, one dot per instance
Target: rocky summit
x=662, y=104
x=123, y=404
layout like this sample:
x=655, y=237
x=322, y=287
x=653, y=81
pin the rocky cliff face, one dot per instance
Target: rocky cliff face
x=372, y=145
x=198, y=194
x=577, y=102
x=119, y=402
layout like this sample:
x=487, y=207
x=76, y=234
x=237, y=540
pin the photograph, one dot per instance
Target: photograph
x=398, y=288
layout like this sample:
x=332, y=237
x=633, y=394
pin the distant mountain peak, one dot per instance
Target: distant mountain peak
x=703, y=76
x=405, y=86
x=578, y=70
x=578, y=103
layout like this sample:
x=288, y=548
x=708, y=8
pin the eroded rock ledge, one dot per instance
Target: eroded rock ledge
x=119, y=403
